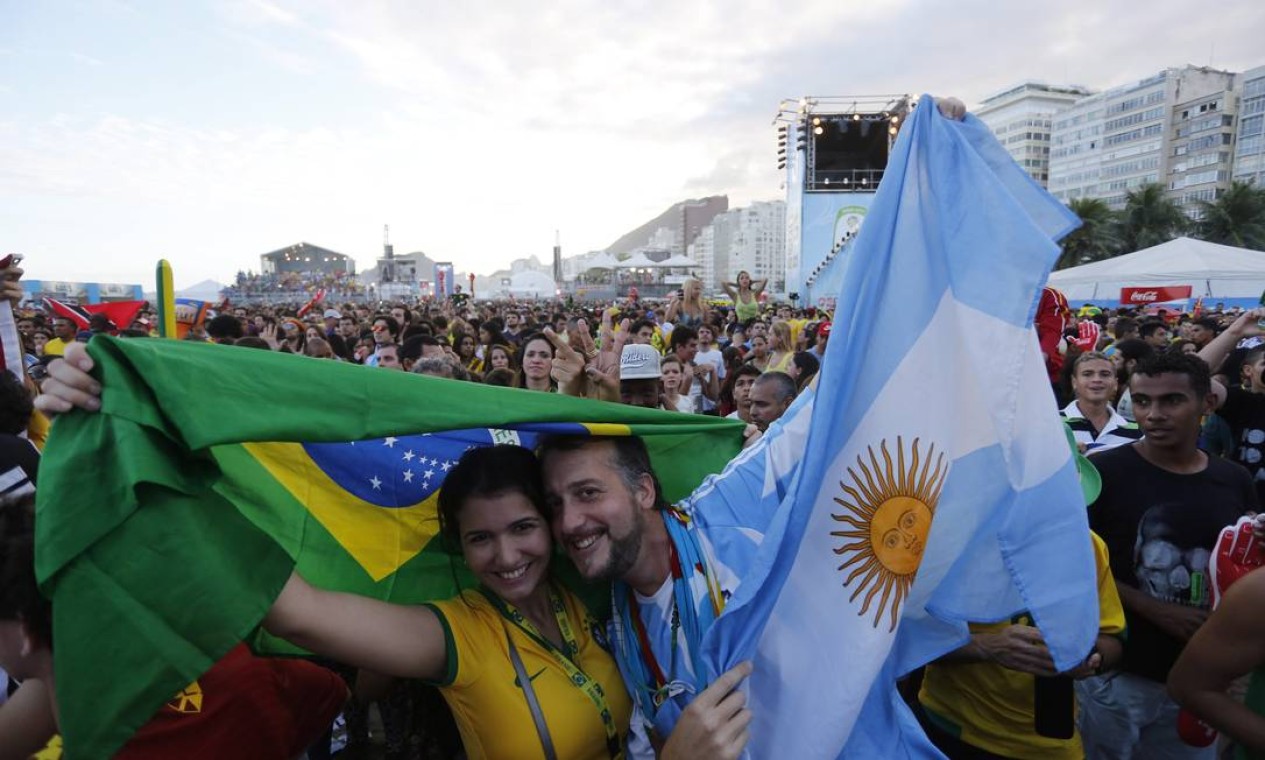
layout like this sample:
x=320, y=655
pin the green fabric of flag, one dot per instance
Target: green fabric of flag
x=169, y=521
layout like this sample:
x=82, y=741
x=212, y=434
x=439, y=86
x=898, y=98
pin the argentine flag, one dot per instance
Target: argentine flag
x=936, y=486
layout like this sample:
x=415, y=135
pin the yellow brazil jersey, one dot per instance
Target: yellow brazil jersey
x=490, y=708
x=55, y=347
x=37, y=429
x=797, y=329
x=990, y=707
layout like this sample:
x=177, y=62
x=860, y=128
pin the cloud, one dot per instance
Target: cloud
x=256, y=13
x=475, y=131
x=86, y=59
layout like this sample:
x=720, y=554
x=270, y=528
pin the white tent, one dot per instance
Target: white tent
x=532, y=284
x=638, y=261
x=602, y=260
x=679, y=261
x=1212, y=271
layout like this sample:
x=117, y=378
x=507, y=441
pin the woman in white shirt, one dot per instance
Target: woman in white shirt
x=673, y=378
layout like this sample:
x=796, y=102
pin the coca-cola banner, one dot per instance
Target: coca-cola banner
x=1148, y=296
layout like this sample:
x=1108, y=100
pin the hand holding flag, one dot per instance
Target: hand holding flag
x=340, y=482
x=721, y=717
x=920, y=502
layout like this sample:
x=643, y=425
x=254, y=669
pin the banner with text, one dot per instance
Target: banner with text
x=1176, y=296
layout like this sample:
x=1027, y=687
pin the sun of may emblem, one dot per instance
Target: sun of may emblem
x=890, y=507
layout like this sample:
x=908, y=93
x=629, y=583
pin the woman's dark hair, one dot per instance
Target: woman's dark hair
x=20, y=597
x=808, y=366
x=502, y=377
x=16, y=405
x=495, y=327
x=538, y=336
x=521, y=381
x=509, y=354
x=252, y=341
x=1178, y=346
x=484, y=472
x=339, y=346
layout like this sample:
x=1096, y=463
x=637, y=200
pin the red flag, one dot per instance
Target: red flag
x=320, y=296
x=121, y=313
x=76, y=314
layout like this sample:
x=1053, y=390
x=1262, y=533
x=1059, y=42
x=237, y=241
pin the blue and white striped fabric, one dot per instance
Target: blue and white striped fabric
x=730, y=512
x=936, y=486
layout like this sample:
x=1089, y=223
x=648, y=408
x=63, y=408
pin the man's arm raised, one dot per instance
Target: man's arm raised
x=1219, y=348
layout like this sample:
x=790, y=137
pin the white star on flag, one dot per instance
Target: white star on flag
x=377, y=484
x=428, y=474
x=447, y=465
x=408, y=476
x=389, y=441
x=408, y=455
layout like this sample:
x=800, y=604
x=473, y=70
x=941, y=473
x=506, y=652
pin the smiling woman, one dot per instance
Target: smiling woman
x=516, y=659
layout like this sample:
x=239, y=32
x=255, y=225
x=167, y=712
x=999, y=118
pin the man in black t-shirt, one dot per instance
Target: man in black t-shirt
x=1242, y=407
x=1162, y=506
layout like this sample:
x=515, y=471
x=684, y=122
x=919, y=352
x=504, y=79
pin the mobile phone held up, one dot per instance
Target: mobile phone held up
x=13, y=259
x=1261, y=322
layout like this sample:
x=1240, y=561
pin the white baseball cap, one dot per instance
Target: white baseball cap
x=639, y=361
x=332, y=314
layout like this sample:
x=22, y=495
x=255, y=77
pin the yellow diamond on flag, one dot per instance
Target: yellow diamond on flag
x=380, y=539
x=189, y=700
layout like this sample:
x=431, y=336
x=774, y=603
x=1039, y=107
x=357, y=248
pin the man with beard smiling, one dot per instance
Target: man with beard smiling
x=673, y=567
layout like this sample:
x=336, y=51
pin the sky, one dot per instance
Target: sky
x=209, y=132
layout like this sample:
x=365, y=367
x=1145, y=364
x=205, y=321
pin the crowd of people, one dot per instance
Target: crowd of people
x=628, y=352
x=1165, y=413
x=1139, y=395
x=247, y=285
x=700, y=359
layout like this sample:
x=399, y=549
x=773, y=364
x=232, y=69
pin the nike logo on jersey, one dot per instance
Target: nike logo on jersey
x=519, y=684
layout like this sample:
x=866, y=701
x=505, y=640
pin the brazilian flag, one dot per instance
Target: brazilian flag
x=169, y=521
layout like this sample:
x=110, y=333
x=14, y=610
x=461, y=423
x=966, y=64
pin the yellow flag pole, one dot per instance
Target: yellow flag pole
x=166, y=301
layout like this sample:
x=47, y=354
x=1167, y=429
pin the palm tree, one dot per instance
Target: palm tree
x=1095, y=239
x=1149, y=218
x=1236, y=218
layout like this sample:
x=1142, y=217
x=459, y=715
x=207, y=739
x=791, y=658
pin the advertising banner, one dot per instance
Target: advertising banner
x=443, y=279
x=828, y=219
x=1142, y=297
